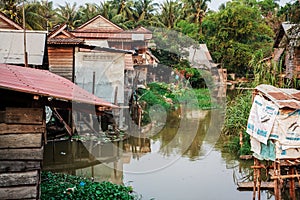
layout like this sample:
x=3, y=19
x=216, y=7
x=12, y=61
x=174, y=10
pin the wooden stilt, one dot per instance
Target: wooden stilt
x=276, y=193
x=258, y=180
x=292, y=183
x=254, y=179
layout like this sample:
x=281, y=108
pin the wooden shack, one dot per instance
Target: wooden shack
x=98, y=32
x=287, y=47
x=274, y=128
x=61, y=50
x=24, y=94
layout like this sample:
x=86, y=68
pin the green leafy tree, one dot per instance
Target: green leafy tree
x=234, y=33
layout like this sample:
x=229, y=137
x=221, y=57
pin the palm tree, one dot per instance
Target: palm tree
x=88, y=11
x=39, y=15
x=123, y=9
x=106, y=10
x=145, y=9
x=69, y=14
x=146, y=13
x=195, y=10
x=12, y=9
x=170, y=13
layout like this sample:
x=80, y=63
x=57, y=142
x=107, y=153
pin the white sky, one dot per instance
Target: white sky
x=213, y=5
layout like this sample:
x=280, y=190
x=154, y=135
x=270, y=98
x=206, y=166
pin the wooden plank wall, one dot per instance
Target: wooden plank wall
x=61, y=61
x=21, y=152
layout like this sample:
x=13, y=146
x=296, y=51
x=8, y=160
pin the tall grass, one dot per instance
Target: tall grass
x=237, y=113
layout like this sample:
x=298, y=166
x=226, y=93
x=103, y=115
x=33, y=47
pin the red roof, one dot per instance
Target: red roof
x=45, y=83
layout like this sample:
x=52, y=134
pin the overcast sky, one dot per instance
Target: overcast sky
x=214, y=5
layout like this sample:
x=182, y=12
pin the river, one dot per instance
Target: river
x=173, y=162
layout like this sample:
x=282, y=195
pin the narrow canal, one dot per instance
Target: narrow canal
x=166, y=165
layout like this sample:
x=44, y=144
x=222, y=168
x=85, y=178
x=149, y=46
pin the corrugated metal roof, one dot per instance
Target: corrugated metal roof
x=282, y=97
x=12, y=48
x=45, y=83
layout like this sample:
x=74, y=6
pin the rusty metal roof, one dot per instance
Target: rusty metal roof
x=282, y=97
x=45, y=83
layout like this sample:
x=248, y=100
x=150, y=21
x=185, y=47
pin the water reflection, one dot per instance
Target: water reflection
x=187, y=165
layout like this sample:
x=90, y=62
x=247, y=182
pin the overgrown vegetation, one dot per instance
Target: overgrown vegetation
x=63, y=186
x=236, y=118
x=171, y=97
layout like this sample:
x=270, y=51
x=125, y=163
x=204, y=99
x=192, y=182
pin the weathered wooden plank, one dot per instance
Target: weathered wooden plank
x=24, y=192
x=21, y=154
x=24, y=116
x=21, y=128
x=19, y=178
x=20, y=140
x=2, y=116
x=18, y=166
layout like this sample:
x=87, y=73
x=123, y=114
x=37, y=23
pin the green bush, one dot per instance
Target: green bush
x=63, y=186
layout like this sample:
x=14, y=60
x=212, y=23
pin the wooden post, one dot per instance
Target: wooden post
x=94, y=77
x=277, y=180
x=67, y=127
x=258, y=179
x=254, y=178
x=24, y=33
x=292, y=183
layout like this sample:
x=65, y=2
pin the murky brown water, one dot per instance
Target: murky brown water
x=175, y=163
